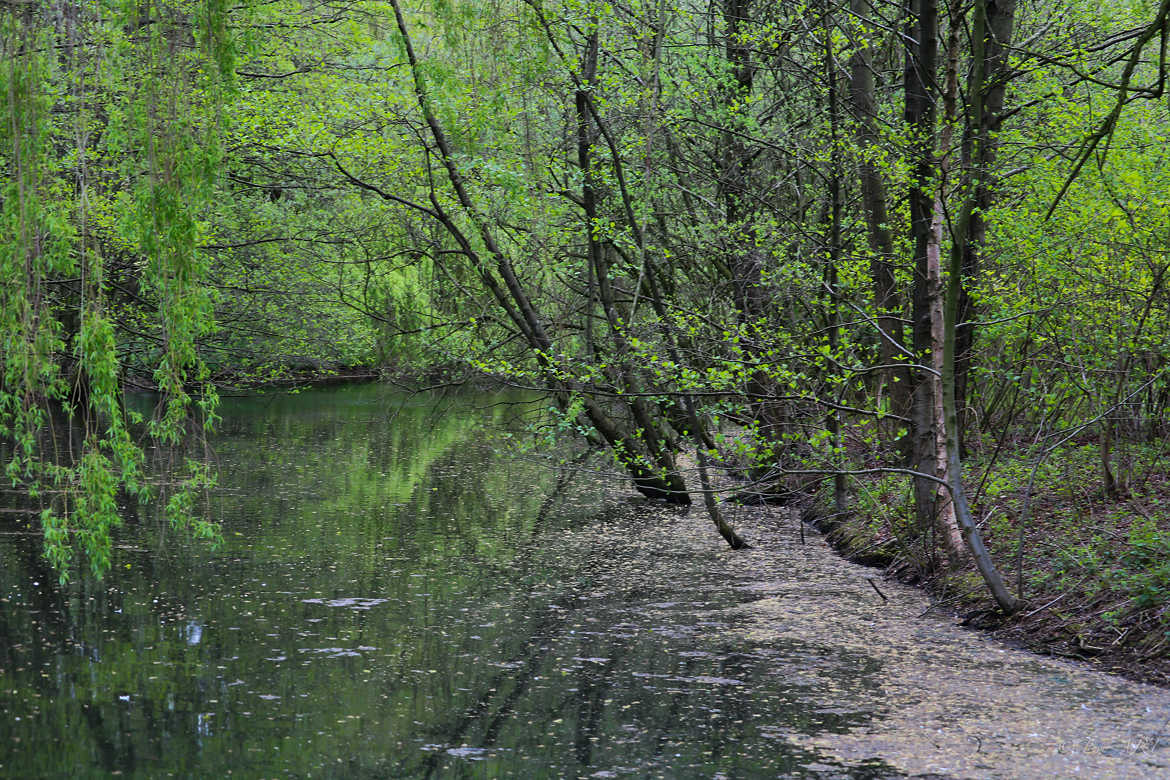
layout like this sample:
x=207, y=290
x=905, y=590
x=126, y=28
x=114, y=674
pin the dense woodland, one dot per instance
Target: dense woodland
x=902, y=261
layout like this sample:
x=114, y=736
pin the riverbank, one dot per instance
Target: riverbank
x=1093, y=568
x=291, y=377
x=285, y=378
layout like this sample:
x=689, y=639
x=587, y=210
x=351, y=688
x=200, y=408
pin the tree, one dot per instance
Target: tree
x=111, y=153
x=691, y=224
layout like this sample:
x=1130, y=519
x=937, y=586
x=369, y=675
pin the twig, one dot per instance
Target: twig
x=873, y=585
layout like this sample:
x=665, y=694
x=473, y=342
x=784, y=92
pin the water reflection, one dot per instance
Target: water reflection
x=401, y=595
x=193, y=632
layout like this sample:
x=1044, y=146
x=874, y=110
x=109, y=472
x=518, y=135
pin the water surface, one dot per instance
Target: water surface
x=406, y=589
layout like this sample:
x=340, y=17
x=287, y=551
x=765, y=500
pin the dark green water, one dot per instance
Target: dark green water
x=404, y=591
x=399, y=594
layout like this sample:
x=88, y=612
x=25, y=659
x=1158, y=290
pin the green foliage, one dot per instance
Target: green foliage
x=1145, y=566
x=110, y=141
x=636, y=209
x=1135, y=575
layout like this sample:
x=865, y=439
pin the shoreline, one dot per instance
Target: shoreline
x=1063, y=619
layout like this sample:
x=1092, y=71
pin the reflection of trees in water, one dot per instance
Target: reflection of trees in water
x=337, y=471
x=361, y=519
x=703, y=705
x=52, y=639
x=518, y=673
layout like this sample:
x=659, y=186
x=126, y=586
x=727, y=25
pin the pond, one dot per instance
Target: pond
x=409, y=587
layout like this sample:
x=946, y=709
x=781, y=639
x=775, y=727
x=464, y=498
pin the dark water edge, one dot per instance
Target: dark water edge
x=409, y=587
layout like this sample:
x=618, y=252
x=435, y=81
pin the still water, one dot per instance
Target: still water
x=408, y=587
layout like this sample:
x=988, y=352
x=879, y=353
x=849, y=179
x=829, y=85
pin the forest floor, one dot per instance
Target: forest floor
x=1094, y=569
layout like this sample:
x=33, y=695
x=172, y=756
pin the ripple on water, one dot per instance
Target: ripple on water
x=350, y=603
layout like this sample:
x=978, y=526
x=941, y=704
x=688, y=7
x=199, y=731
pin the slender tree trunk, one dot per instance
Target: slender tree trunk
x=886, y=298
x=734, y=540
x=651, y=476
x=656, y=444
x=945, y=522
x=743, y=255
x=970, y=531
x=836, y=204
x=921, y=115
x=988, y=85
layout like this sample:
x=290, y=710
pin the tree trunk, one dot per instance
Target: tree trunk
x=886, y=299
x=921, y=114
x=988, y=85
x=970, y=531
x=836, y=204
x=744, y=259
x=652, y=476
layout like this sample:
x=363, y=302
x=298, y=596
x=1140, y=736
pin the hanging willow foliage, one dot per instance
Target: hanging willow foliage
x=112, y=115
